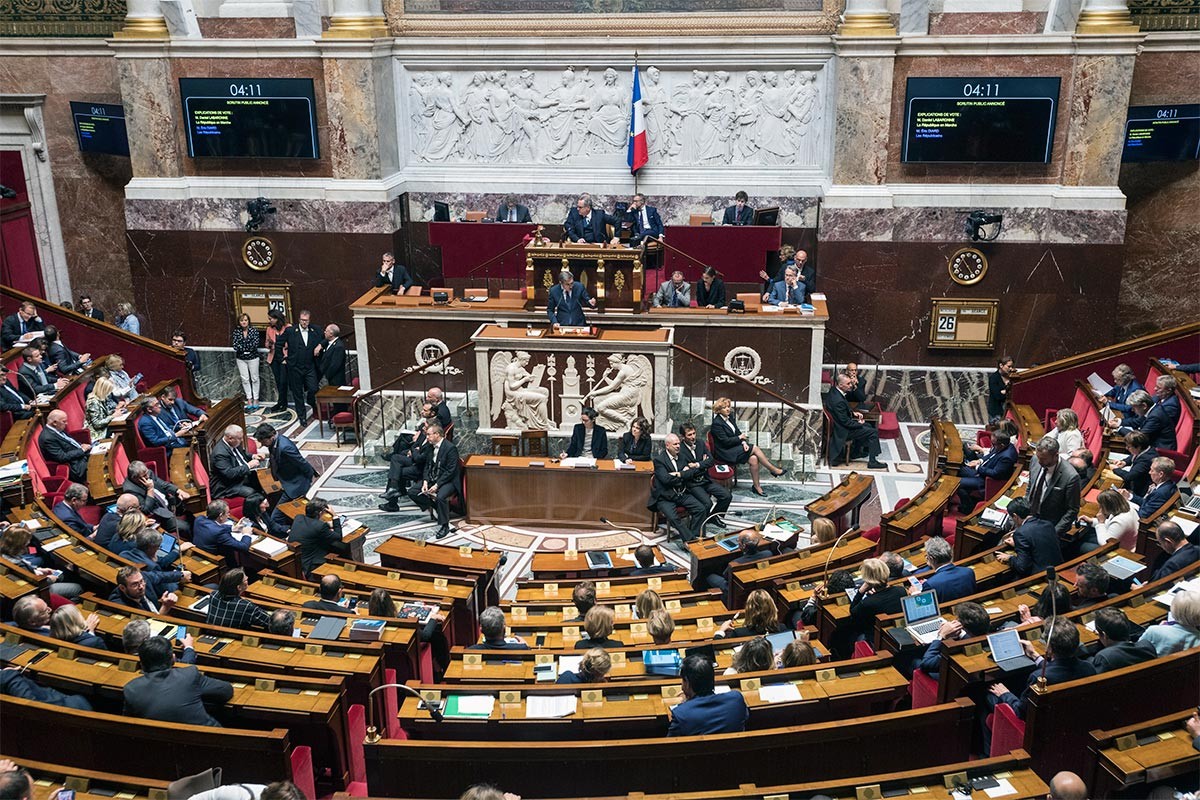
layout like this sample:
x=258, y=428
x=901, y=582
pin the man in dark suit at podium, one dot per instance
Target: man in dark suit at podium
x=739, y=213
x=393, y=275
x=590, y=225
x=512, y=211
x=567, y=299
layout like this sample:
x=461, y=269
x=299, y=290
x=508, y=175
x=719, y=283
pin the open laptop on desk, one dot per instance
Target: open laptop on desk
x=921, y=617
x=1007, y=651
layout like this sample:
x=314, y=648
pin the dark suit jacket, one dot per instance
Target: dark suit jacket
x=175, y=695
x=656, y=224
x=13, y=401
x=997, y=395
x=10, y=329
x=732, y=217
x=567, y=309
x=1118, y=394
x=522, y=213
x=1059, y=670
x=865, y=608
x=227, y=471
x=290, y=468
x=153, y=433
x=333, y=363
x=317, y=539
x=149, y=504
x=1123, y=654
x=843, y=420
x=106, y=530
x=301, y=356
x=400, y=281
x=696, y=476
x=68, y=362
x=997, y=464
x=1164, y=565
x=213, y=537
x=637, y=451
x=501, y=645
x=1160, y=423
x=58, y=450
x=39, y=381
x=595, y=231
x=656, y=569
x=599, y=441
x=326, y=605
x=727, y=444
x=14, y=684
x=667, y=487
x=714, y=297
x=443, y=416
x=71, y=518
x=1153, y=501
x=1137, y=475
x=1060, y=501
x=710, y=713
x=442, y=468
x=1037, y=547
x=95, y=313
x=951, y=582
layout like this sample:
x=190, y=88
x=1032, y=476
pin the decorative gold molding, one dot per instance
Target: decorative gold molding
x=357, y=28
x=143, y=28
x=1106, y=22
x=867, y=25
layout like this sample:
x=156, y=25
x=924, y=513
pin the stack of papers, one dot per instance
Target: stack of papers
x=569, y=663
x=470, y=706
x=554, y=706
x=779, y=693
x=268, y=546
x=582, y=462
x=350, y=525
x=1098, y=384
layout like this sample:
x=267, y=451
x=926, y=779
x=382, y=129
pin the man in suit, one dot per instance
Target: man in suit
x=1124, y=384
x=1034, y=540
x=304, y=347
x=12, y=400
x=214, y=533
x=949, y=580
x=998, y=465
x=1062, y=645
x=492, y=627
x=670, y=491
x=1161, y=488
x=511, y=210
x=67, y=509
x=675, y=293
x=566, y=300
x=1053, y=489
x=33, y=378
x=61, y=356
x=739, y=213
x=288, y=466
x=437, y=398
x=232, y=474
x=106, y=530
x=441, y=479
x=156, y=497
x=407, y=462
x=167, y=694
x=694, y=454
x=333, y=360
x=1177, y=551
x=849, y=426
x=646, y=563
x=788, y=292
x=158, y=570
x=808, y=273
x=329, y=596
x=59, y=448
x=88, y=308
x=133, y=591
x=157, y=427
x=318, y=533
x=970, y=619
x=1091, y=586
x=392, y=275
x=1114, y=630
x=704, y=711
x=1163, y=416
x=179, y=342
x=590, y=225
x=178, y=410
x=1139, y=403
x=647, y=224
x=587, y=438
x=26, y=320
x=1136, y=472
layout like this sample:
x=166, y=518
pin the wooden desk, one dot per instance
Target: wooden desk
x=332, y=396
x=625, y=587
x=612, y=274
x=945, y=449
x=796, y=566
x=921, y=517
x=1029, y=426
x=398, y=552
x=49, y=778
x=1134, y=756
x=842, y=503
x=353, y=539
x=511, y=490
x=102, y=471
x=570, y=564
x=16, y=582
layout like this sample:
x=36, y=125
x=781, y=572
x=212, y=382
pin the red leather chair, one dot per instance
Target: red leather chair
x=1008, y=731
x=721, y=472
x=874, y=533
x=863, y=650
x=150, y=456
x=344, y=420
x=302, y=771
x=356, y=722
x=924, y=690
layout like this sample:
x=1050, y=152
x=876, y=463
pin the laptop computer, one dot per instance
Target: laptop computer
x=780, y=641
x=1007, y=651
x=921, y=618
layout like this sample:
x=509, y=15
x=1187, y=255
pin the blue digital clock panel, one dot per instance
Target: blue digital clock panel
x=1162, y=133
x=250, y=117
x=980, y=120
x=100, y=128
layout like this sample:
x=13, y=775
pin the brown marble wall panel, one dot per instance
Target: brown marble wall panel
x=89, y=186
x=247, y=28
x=978, y=66
x=783, y=356
x=392, y=348
x=1055, y=300
x=1163, y=232
x=605, y=6
x=1019, y=23
x=185, y=279
x=250, y=68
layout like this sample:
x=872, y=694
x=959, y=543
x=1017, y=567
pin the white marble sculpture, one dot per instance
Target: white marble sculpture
x=624, y=388
x=523, y=401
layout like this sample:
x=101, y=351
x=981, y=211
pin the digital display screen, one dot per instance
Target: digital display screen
x=250, y=117
x=1162, y=133
x=100, y=128
x=980, y=120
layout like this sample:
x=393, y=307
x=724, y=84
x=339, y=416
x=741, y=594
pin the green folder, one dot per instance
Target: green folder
x=453, y=712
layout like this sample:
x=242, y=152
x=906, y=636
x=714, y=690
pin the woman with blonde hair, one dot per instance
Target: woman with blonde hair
x=128, y=528
x=124, y=387
x=760, y=618
x=1116, y=519
x=1182, y=631
x=660, y=626
x=67, y=623
x=598, y=624
x=592, y=669
x=823, y=531
x=648, y=601
x=1066, y=431
x=102, y=405
x=875, y=597
x=127, y=320
x=730, y=445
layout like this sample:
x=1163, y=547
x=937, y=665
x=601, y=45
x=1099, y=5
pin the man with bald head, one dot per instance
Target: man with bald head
x=232, y=474
x=59, y=448
x=1067, y=786
x=670, y=491
x=107, y=529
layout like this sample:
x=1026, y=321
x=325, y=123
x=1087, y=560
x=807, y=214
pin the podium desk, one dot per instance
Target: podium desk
x=515, y=489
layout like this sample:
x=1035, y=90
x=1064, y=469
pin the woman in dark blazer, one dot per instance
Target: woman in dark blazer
x=579, y=434
x=761, y=618
x=635, y=442
x=730, y=445
x=710, y=292
x=875, y=597
x=67, y=623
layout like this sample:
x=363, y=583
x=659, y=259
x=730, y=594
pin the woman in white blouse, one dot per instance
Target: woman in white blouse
x=1066, y=431
x=1117, y=519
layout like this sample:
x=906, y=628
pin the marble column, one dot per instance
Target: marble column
x=1101, y=79
x=863, y=109
x=143, y=20
x=359, y=101
x=1105, y=17
x=151, y=108
x=866, y=18
x=356, y=19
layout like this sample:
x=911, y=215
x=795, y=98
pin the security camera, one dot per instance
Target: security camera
x=978, y=221
x=258, y=208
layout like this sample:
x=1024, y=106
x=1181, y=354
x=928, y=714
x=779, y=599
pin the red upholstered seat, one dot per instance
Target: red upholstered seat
x=924, y=690
x=889, y=426
x=343, y=421
x=1008, y=731
x=863, y=650
x=873, y=533
x=302, y=772
x=356, y=722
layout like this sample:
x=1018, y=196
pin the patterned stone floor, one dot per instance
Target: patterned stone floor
x=355, y=490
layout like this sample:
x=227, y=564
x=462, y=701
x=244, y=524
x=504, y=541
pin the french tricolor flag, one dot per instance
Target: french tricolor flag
x=639, y=151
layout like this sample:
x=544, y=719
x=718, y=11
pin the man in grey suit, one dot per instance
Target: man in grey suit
x=1053, y=489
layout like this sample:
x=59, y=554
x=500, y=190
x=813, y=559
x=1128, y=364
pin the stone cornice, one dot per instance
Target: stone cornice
x=216, y=48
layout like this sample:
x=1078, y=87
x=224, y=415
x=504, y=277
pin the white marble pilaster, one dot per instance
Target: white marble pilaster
x=914, y=17
x=1105, y=17
x=143, y=20
x=866, y=18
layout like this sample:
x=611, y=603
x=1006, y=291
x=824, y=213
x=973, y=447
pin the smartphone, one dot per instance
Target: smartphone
x=66, y=794
x=541, y=640
x=914, y=581
x=352, y=603
x=180, y=633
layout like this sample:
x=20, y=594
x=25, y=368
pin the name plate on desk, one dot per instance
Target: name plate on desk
x=654, y=583
x=441, y=584
x=550, y=590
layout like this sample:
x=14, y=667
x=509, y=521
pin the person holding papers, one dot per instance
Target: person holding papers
x=703, y=711
x=214, y=532
x=318, y=533
x=24, y=322
x=232, y=474
x=1124, y=384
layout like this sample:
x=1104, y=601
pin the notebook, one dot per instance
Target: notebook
x=1121, y=567
x=328, y=628
x=921, y=617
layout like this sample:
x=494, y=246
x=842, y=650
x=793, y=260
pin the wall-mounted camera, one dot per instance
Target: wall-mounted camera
x=258, y=208
x=982, y=226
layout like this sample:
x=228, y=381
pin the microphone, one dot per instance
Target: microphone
x=836, y=542
x=372, y=731
x=1051, y=582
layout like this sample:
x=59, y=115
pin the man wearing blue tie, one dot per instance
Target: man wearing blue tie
x=565, y=304
x=26, y=320
x=647, y=224
x=157, y=429
x=787, y=292
x=34, y=379
x=11, y=400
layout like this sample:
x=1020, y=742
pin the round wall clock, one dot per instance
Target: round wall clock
x=967, y=266
x=258, y=253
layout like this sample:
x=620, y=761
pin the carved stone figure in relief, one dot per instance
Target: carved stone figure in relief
x=609, y=125
x=625, y=386
x=522, y=400
x=446, y=124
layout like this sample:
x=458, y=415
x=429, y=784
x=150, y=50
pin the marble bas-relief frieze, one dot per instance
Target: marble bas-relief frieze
x=772, y=117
